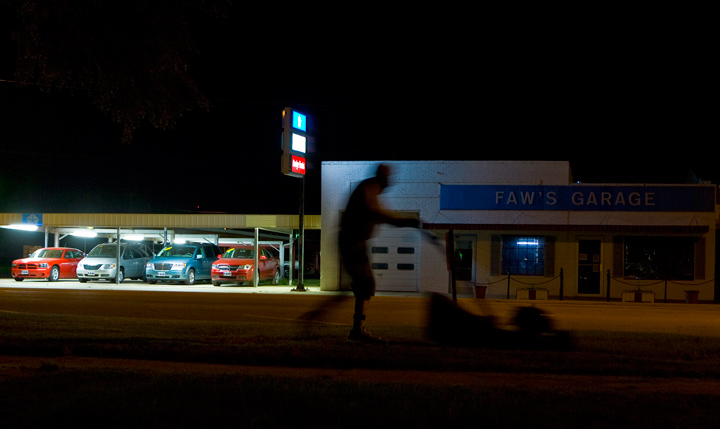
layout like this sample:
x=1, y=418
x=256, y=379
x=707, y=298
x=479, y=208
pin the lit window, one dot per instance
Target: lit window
x=523, y=256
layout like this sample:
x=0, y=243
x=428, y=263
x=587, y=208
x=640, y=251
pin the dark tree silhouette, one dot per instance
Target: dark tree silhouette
x=131, y=57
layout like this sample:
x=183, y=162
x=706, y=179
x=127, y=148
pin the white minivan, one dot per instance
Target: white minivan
x=101, y=263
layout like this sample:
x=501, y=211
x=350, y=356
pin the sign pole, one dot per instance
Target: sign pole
x=301, y=265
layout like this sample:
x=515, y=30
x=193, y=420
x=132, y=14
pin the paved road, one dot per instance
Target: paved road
x=273, y=304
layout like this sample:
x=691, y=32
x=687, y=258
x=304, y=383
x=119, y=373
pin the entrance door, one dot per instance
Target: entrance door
x=589, y=267
x=464, y=263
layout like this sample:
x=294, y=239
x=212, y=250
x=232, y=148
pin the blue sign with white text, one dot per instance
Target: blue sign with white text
x=578, y=198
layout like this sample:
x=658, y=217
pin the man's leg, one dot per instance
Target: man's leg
x=363, y=285
x=359, y=315
x=358, y=332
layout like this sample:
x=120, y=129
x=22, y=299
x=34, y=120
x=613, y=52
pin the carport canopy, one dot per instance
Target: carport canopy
x=218, y=228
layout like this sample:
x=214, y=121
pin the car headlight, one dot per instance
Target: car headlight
x=14, y=265
x=149, y=266
x=108, y=266
x=178, y=266
x=247, y=267
x=43, y=265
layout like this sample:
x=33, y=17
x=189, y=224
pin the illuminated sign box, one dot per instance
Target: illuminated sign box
x=297, y=165
x=298, y=143
x=299, y=121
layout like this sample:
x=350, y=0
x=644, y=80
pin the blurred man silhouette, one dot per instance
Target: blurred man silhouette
x=362, y=213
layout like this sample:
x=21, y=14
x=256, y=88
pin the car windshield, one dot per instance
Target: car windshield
x=47, y=253
x=178, y=251
x=104, y=251
x=242, y=253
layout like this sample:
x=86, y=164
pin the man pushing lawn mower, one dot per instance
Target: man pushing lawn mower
x=448, y=323
x=363, y=212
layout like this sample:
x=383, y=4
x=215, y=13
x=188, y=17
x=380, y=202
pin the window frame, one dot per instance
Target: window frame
x=516, y=267
x=650, y=257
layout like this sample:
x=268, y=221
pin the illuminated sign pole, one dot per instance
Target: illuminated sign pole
x=293, y=163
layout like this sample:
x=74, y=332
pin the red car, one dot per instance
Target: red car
x=237, y=265
x=51, y=263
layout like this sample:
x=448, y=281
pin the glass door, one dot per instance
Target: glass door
x=589, y=267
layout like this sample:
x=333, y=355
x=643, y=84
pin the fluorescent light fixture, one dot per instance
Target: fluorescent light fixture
x=528, y=242
x=134, y=237
x=85, y=233
x=179, y=241
x=22, y=226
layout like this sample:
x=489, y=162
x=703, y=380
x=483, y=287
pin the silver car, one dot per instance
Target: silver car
x=100, y=263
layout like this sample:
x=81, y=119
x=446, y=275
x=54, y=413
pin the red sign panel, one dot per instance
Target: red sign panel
x=298, y=165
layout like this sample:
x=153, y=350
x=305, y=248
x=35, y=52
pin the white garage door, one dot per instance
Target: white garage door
x=394, y=255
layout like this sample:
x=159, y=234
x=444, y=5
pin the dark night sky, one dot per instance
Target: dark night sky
x=625, y=96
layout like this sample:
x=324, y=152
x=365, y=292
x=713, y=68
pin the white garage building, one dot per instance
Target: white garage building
x=525, y=226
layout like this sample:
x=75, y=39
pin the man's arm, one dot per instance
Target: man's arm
x=381, y=215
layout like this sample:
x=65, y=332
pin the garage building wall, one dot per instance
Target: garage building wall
x=415, y=188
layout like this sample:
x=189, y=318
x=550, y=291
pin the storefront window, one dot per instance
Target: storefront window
x=524, y=256
x=656, y=258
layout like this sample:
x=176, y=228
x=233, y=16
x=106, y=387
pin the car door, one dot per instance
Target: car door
x=143, y=256
x=273, y=262
x=265, y=264
x=68, y=264
x=261, y=264
x=211, y=255
x=130, y=263
x=205, y=261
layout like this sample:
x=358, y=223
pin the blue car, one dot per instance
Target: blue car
x=185, y=263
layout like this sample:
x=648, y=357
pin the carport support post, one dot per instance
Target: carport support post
x=256, y=251
x=117, y=261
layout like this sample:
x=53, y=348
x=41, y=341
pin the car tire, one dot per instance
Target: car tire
x=82, y=280
x=121, y=273
x=19, y=279
x=152, y=282
x=216, y=283
x=54, y=274
x=190, y=280
x=276, y=278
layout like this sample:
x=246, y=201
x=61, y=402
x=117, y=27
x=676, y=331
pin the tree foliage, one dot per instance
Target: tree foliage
x=131, y=57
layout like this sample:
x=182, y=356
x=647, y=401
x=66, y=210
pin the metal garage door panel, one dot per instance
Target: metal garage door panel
x=394, y=255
